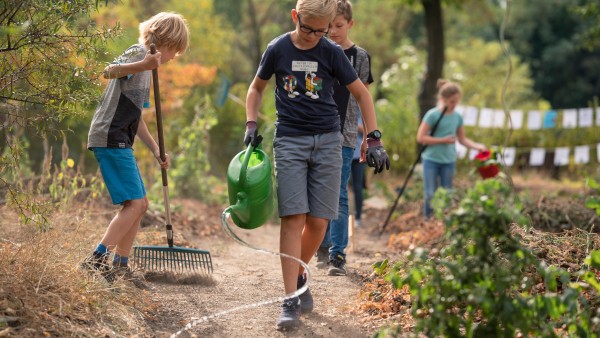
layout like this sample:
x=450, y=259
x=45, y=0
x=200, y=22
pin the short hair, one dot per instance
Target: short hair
x=317, y=8
x=447, y=89
x=165, y=30
x=344, y=7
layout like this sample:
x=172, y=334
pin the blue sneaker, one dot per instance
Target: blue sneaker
x=290, y=314
x=306, y=299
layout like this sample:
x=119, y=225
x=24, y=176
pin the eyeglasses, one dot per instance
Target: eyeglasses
x=308, y=30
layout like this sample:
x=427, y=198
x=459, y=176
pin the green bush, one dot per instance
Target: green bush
x=484, y=283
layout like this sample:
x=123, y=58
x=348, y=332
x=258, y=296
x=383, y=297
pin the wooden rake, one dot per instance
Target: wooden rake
x=170, y=257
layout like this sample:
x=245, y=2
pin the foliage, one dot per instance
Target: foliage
x=392, y=29
x=480, y=67
x=254, y=23
x=42, y=44
x=593, y=201
x=191, y=165
x=590, y=13
x=545, y=35
x=482, y=282
x=397, y=111
x=211, y=38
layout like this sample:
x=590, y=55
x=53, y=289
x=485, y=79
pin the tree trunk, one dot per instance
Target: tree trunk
x=435, y=54
x=256, y=44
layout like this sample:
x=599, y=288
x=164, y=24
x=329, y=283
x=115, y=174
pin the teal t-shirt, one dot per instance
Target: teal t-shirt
x=442, y=153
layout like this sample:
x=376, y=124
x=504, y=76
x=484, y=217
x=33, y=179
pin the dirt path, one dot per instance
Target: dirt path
x=243, y=276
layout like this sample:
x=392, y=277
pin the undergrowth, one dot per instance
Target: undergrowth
x=44, y=293
x=489, y=278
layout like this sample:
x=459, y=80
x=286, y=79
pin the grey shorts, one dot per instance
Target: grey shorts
x=308, y=173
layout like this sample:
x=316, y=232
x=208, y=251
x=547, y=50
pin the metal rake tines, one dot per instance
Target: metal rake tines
x=159, y=258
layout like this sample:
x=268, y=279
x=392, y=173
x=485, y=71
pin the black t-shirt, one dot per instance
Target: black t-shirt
x=304, y=84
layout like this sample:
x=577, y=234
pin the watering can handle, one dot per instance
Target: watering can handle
x=243, y=169
x=249, y=150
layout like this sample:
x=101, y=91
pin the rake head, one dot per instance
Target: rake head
x=172, y=258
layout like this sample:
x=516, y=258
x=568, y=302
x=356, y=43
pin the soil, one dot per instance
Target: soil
x=243, y=293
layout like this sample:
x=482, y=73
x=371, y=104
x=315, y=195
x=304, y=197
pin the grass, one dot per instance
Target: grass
x=44, y=293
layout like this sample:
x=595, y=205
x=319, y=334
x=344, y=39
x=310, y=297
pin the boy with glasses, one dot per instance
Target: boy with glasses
x=307, y=143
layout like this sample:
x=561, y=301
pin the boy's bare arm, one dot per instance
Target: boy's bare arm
x=254, y=98
x=144, y=134
x=118, y=70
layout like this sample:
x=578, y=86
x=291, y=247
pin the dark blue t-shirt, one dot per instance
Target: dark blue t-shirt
x=304, y=84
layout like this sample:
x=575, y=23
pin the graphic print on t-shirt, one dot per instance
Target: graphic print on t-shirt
x=313, y=82
x=289, y=84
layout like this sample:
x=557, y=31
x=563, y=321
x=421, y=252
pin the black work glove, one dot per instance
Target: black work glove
x=251, y=133
x=376, y=155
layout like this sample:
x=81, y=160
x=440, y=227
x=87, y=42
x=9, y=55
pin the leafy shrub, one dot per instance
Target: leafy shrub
x=485, y=283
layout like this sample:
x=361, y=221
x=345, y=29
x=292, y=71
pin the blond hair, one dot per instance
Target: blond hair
x=317, y=9
x=447, y=89
x=344, y=7
x=165, y=30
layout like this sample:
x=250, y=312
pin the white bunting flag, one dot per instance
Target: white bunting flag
x=534, y=120
x=508, y=156
x=598, y=116
x=460, y=110
x=470, y=116
x=498, y=118
x=582, y=154
x=461, y=151
x=586, y=117
x=516, y=119
x=561, y=156
x=537, y=157
x=569, y=118
x=486, y=117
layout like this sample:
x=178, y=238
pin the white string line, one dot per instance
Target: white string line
x=227, y=229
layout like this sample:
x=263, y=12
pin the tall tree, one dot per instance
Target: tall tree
x=434, y=26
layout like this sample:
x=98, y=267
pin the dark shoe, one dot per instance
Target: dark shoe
x=337, y=265
x=126, y=274
x=306, y=299
x=96, y=263
x=290, y=314
x=322, y=257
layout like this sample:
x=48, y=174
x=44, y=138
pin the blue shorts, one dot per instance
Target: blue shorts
x=121, y=174
x=308, y=172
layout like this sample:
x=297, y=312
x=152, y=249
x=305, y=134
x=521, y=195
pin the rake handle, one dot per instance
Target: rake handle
x=412, y=169
x=161, y=148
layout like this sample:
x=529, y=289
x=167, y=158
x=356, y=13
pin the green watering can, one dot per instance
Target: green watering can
x=250, y=187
